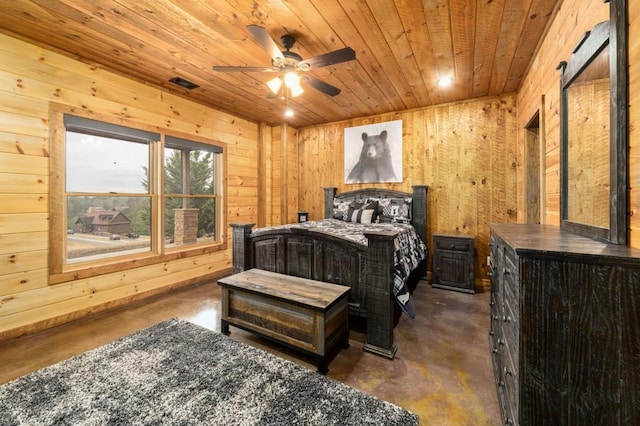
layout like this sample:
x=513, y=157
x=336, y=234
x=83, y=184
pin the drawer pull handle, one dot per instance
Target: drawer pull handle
x=508, y=372
x=501, y=342
x=494, y=350
x=491, y=333
x=495, y=317
x=492, y=303
x=507, y=318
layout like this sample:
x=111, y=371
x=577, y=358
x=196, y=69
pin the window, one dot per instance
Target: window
x=189, y=191
x=129, y=193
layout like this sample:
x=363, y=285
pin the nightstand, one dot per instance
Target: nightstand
x=453, y=262
x=303, y=216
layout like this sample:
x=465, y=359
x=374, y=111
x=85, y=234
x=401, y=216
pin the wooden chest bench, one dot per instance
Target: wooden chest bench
x=311, y=316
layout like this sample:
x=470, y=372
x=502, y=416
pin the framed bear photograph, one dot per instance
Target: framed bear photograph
x=373, y=153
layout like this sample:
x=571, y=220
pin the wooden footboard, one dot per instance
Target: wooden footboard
x=368, y=270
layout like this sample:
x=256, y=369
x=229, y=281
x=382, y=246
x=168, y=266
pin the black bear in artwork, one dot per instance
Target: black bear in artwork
x=375, y=163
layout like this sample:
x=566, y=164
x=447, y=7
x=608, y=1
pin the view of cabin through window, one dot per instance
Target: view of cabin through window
x=109, y=191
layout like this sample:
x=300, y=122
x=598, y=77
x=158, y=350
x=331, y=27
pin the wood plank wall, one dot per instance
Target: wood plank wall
x=465, y=152
x=282, y=205
x=573, y=19
x=634, y=121
x=30, y=78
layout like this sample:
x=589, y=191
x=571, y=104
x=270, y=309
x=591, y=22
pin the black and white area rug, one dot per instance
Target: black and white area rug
x=176, y=372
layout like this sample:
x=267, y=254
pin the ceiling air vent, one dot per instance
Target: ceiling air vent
x=183, y=83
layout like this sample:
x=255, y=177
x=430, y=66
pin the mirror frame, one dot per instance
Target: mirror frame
x=613, y=33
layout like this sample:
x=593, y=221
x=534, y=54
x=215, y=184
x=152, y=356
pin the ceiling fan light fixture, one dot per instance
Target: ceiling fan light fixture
x=275, y=84
x=291, y=80
x=296, y=91
x=289, y=62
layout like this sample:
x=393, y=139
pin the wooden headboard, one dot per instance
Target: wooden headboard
x=419, y=204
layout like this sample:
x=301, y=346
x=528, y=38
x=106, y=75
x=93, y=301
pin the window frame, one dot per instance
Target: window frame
x=61, y=271
x=186, y=146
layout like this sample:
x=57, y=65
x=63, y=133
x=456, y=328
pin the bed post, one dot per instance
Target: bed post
x=379, y=279
x=241, y=250
x=419, y=219
x=329, y=194
x=419, y=210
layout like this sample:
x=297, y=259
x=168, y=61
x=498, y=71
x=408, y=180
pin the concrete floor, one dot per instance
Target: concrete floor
x=442, y=371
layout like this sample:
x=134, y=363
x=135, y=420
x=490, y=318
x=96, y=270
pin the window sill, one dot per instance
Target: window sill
x=88, y=270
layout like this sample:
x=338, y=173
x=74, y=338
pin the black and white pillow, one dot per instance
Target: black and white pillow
x=361, y=215
x=340, y=209
x=396, y=210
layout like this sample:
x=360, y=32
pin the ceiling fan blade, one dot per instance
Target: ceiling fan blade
x=322, y=86
x=335, y=57
x=244, y=69
x=262, y=36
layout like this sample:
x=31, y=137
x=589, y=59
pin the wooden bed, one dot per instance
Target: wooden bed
x=368, y=270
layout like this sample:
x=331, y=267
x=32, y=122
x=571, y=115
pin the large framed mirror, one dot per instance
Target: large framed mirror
x=593, y=156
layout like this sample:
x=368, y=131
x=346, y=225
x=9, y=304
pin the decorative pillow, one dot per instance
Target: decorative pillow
x=361, y=215
x=373, y=205
x=340, y=209
x=381, y=202
x=397, y=209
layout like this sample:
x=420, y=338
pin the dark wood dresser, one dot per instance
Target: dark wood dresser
x=565, y=327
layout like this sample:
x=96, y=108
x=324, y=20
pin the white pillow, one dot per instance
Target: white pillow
x=362, y=216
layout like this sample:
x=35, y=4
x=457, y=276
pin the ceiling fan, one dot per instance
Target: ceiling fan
x=288, y=63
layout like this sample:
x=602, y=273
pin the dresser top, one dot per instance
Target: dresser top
x=552, y=240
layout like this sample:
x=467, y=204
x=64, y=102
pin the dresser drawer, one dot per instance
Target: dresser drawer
x=510, y=326
x=495, y=330
x=511, y=280
x=510, y=378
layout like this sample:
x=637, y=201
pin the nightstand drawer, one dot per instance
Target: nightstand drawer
x=457, y=243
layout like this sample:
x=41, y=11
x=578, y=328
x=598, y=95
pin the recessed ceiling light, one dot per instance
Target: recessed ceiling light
x=445, y=81
x=183, y=83
x=288, y=112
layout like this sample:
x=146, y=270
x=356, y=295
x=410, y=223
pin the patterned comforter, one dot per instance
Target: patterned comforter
x=409, y=249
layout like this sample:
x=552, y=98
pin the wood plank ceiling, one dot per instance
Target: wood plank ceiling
x=402, y=48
